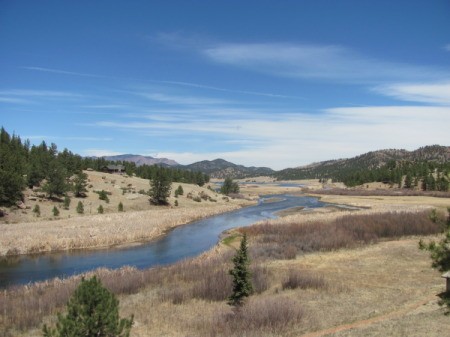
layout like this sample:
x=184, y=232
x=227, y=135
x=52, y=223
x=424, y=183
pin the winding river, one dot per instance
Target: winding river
x=180, y=243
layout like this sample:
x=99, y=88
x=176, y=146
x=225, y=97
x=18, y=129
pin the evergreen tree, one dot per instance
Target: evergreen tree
x=66, y=203
x=229, y=187
x=91, y=311
x=56, y=180
x=80, y=208
x=37, y=210
x=100, y=209
x=79, y=185
x=55, y=211
x=120, y=207
x=160, y=188
x=12, y=168
x=179, y=191
x=242, y=285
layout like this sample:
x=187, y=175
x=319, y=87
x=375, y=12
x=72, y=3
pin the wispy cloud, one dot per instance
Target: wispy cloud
x=85, y=139
x=323, y=62
x=99, y=153
x=435, y=93
x=297, y=138
x=62, y=72
x=447, y=47
x=51, y=94
x=183, y=100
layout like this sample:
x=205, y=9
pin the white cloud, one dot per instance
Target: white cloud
x=328, y=62
x=100, y=153
x=39, y=93
x=436, y=93
x=182, y=100
x=294, y=139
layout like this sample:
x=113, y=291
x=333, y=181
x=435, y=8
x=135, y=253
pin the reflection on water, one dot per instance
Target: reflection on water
x=182, y=242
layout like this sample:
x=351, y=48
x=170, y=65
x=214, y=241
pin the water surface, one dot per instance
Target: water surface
x=180, y=243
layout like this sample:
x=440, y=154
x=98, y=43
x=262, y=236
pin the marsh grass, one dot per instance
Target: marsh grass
x=286, y=241
x=206, y=278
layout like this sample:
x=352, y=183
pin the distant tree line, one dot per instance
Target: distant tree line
x=23, y=164
x=425, y=175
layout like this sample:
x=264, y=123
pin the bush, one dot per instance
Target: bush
x=300, y=279
x=55, y=211
x=37, y=210
x=80, y=208
x=259, y=317
x=120, y=207
x=103, y=195
x=100, y=209
x=66, y=203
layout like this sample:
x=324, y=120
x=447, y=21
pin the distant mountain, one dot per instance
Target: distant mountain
x=142, y=160
x=367, y=161
x=220, y=168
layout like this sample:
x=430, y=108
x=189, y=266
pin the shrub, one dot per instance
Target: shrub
x=100, y=209
x=103, y=195
x=55, y=211
x=37, y=210
x=120, y=207
x=66, y=202
x=176, y=203
x=300, y=279
x=179, y=191
x=80, y=208
x=259, y=317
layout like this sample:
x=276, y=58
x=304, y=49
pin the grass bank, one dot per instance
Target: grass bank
x=298, y=269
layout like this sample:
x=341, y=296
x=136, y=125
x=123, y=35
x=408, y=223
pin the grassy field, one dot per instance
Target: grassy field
x=25, y=233
x=373, y=281
x=330, y=272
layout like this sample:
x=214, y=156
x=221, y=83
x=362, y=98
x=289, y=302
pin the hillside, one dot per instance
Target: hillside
x=220, y=168
x=368, y=161
x=142, y=160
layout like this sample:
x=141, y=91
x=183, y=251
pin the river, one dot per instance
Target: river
x=180, y=243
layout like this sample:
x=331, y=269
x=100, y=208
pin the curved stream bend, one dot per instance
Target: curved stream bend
x=180, y=243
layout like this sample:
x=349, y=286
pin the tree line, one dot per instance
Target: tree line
x=23, y=164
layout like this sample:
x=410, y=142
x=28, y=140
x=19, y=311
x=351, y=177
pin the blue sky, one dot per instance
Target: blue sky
x=263, y=83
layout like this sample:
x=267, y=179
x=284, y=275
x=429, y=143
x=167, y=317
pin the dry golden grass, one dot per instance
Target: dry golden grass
x=373, y=290
x=140, y=221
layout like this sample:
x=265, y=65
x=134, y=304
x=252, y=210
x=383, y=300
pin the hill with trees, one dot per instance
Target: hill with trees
x=220, y=168
x=54, y=172
x=426, y=168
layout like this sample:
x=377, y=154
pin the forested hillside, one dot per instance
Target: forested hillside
x=23, y=164
x=426, y=168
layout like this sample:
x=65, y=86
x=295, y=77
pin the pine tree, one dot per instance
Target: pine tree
x=120, y=207
x=66, y=203
x=100, y=209
x=56, y=180
x=229, y=186
x=242, y=285
x=80, y=208
x=55, y=211
x=91, y=311
x=160, y=187
x=79, y=185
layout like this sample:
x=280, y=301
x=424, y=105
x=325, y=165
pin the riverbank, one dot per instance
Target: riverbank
x=363, y=289
x=99, y=231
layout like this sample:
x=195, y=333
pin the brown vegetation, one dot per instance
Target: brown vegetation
x=290, y=239
x=381, y=192
x=182, y=289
